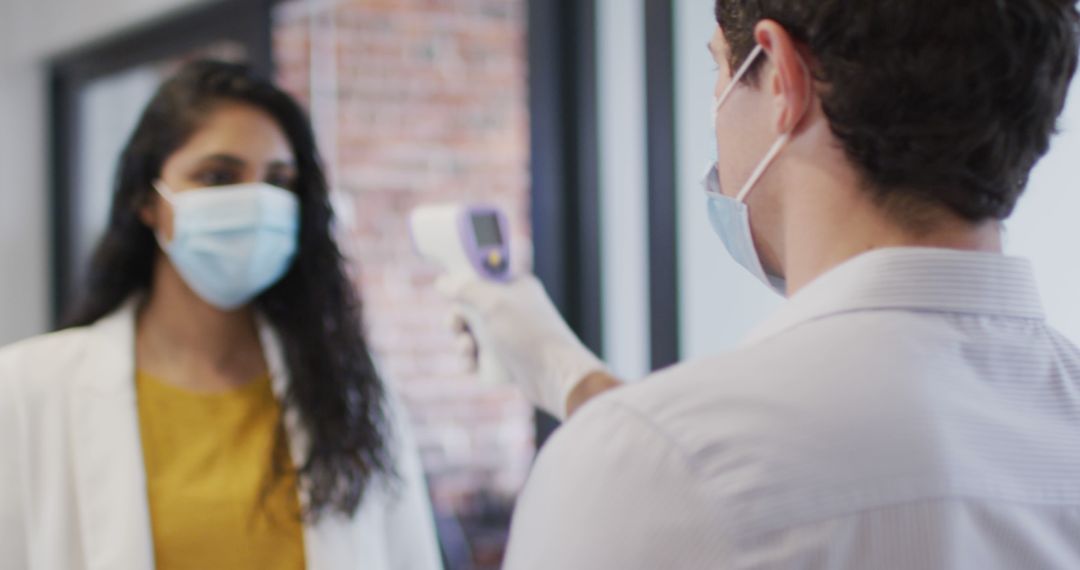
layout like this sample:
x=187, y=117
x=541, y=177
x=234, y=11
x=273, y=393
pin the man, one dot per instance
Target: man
x=909, y=407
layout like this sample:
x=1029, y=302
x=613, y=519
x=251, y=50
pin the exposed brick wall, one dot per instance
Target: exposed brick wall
x=431, y=106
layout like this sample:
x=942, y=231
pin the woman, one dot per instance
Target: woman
x=215, y=404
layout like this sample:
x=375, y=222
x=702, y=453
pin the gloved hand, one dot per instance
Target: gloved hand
x=523, y=329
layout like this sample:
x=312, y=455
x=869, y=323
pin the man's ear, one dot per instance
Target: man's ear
x=788, y=79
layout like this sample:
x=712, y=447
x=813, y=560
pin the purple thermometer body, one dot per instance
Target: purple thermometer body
x=483, y=233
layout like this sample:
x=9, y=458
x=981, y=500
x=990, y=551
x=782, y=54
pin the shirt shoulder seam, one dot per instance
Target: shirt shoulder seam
x=652, y=426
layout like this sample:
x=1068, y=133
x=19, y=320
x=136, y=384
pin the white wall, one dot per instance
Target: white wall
x=1045, y=228
x=23, y=233
x=623, y=195
x=30, y=32
x=720, y=301
x=709, y=280
x=109, y=111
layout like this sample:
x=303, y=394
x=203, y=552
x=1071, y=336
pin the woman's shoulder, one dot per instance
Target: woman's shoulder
x=46, y=348
x=46, y=364
x=70, y=347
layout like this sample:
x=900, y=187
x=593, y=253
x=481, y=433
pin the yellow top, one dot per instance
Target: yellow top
x=208, y=459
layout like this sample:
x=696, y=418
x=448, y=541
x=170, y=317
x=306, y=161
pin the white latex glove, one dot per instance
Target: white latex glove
x=527, y=335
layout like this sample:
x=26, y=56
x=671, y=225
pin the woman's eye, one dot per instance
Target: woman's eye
x=281, y=181
x=215, y=178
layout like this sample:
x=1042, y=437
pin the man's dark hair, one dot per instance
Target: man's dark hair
x=936, y=102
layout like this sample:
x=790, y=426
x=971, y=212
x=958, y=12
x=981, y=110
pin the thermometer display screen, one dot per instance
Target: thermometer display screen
x=486, y=228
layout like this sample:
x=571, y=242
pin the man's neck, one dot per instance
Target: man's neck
x=846, y=225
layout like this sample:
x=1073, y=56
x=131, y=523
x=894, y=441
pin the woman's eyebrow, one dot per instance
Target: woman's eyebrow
x=282, y=164
x=225, y=158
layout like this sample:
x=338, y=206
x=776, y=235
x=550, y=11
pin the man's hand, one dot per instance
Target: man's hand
x=592, y=386
x=530, y=339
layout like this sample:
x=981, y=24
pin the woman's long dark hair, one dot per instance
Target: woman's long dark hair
x=333, y=385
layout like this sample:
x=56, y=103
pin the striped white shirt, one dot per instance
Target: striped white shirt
x=911, y=409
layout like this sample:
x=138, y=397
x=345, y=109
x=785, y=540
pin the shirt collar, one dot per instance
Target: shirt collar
x=914, y=279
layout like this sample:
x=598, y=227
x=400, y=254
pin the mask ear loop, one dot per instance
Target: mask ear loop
x=781, y=142
x=719, y=102
x=164, y=191
x=735, y=79
x=167, y=194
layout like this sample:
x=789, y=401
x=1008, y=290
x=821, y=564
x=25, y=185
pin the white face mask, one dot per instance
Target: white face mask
x=730, y=217
x=231, y=243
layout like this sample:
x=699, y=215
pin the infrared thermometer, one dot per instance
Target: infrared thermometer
x=467, y=238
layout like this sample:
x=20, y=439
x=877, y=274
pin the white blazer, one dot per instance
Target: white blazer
x=73, y=486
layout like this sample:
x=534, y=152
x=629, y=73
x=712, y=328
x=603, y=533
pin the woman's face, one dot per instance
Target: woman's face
x=236, y=144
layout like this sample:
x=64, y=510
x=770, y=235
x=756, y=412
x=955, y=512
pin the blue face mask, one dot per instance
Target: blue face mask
x=730, y=217
x=231, y=243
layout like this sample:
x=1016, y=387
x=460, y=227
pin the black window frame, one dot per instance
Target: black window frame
x=565, y=171
x=566, y=213
x=664, y=315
